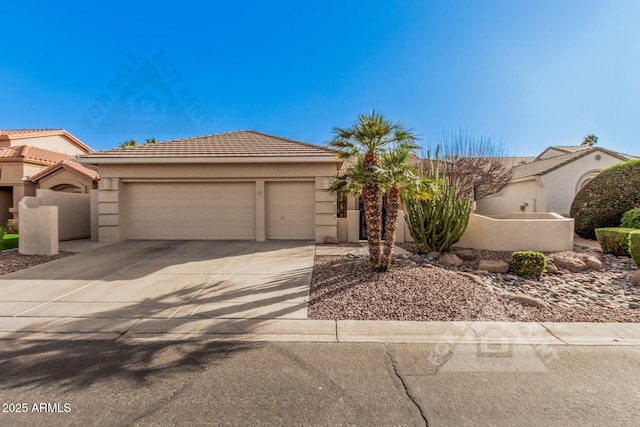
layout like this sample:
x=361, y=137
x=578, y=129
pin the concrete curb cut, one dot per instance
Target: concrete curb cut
x=296, y=330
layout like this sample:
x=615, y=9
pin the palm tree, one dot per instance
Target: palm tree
x=362, y=144
x=128, y=143
x=589, y=141
x=398, y=180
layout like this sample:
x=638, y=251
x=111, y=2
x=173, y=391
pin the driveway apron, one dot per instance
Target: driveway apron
x=167, y=279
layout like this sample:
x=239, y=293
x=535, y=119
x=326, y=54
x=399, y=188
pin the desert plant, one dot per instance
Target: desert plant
x=634, y=246
x=437, y=223
x=631, y=219
x=603, y=200
x=614, y=240
x=370, y=137
x=398, y=180
x=528, y=264
x=12, y=226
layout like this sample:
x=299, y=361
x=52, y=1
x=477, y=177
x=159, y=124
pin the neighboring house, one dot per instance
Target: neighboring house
x=24, y=153
x=242, y=185
x=549, y=182
x=68, y=176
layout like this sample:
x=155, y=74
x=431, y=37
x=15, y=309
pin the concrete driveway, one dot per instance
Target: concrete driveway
x=167, y=279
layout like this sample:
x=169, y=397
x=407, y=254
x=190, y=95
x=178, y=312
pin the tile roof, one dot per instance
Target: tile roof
x=29, y=154
x=13, y=134
x=244, y=143
x=576, y=148
x=88, y=171
x=544, y=166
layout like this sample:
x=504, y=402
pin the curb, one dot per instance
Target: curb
x=328, y=331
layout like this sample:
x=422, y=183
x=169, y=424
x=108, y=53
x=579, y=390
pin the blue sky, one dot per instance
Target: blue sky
x=530, y=73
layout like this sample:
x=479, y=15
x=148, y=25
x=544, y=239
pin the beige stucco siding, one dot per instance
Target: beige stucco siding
x=52, y=143
x=515, y=195
x=63, y=176
x=562, y=183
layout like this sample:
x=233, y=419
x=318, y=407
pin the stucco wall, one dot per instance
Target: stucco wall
x=114, y=180
x=64, y=176
x=562, y=183
x=52, y=143
x=518, y=234
x=74, y=215
x=516, y=194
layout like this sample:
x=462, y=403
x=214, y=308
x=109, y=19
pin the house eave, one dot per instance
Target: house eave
x=94, y=160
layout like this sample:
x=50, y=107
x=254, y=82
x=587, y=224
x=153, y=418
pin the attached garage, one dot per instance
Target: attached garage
x=242, y=185
x=190, y=211
x=291, y=210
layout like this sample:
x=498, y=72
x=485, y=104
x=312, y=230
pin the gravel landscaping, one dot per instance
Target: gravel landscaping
x=421, y=287
x=11, y=260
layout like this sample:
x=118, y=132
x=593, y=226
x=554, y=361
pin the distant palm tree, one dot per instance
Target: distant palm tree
x=129, y=143
x=371, y=136
x=589, y=141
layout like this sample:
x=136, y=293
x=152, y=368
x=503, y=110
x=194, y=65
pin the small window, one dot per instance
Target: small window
x=342, y=205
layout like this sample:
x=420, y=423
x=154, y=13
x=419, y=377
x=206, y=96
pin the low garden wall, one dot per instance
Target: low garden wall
x=546, y=232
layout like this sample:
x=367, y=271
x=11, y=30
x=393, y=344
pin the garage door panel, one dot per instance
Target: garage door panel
x=290, y=210
x=188, y=211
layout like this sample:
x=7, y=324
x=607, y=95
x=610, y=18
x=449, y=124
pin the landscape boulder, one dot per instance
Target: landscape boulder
x=569, y=261
x=493, y=266
x=450, y=260
x=466, y=254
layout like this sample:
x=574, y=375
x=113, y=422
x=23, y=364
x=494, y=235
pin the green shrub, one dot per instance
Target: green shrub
x=634, y=246
x=602, y=202
x=11, y=241
x=631, y=219
x=528, y=264
x=1, y=238
x=614, y=240
x=12, y=226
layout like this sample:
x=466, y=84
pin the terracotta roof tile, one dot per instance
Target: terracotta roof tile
x=244, y=143
x=26, y=153
x=88, y=171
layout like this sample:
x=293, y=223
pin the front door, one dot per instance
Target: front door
x=363, y=223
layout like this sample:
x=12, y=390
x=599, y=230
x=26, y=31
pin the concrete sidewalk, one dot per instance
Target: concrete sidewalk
x=297, y=330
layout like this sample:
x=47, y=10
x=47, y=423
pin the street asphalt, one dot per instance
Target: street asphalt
x=165, y=383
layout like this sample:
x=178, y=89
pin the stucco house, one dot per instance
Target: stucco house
x=25, y=153
x=550, y=181
x=68, y=176
x=242, y=185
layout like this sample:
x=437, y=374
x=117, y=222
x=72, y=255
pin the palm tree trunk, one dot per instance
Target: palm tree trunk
x=372, y=211
x=393, y=204
x=373, y=217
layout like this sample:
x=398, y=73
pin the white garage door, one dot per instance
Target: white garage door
x=185, y=211
x=290, y=210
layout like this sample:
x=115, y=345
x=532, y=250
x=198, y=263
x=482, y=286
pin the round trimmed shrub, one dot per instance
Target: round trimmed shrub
x=631, y=219
x=528, y=264
x=602, y=202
